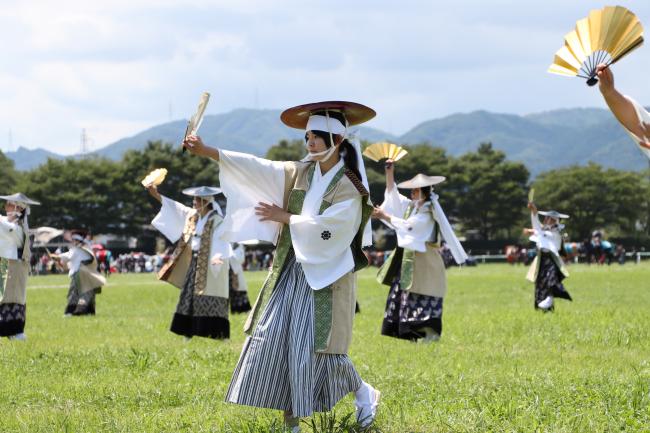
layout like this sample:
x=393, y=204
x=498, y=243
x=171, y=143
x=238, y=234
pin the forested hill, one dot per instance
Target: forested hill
x=542, y=140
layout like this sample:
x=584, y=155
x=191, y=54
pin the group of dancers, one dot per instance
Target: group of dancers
x=316, y=211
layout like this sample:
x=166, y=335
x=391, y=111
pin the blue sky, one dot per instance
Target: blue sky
x=115, y=67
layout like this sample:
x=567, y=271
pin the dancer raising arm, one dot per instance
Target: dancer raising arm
x=315, y=210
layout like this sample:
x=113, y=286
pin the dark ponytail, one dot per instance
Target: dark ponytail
x=350, y=159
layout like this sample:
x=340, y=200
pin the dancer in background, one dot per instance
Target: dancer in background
x=547, y=270
x=295, y=358
x=199, y=265
x=415, y=270
x=85, y=281
x=15, y=252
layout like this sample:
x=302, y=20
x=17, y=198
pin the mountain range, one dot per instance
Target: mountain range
x=542, y=141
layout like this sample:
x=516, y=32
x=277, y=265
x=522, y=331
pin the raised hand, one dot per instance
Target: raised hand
x=153, y=191
x=605, y=78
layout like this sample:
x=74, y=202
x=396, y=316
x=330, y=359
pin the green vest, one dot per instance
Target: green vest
x=322, y=297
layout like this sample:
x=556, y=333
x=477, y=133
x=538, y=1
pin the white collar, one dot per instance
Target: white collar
x=319, y=177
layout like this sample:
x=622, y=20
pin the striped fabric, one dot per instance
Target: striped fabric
x=278, y=368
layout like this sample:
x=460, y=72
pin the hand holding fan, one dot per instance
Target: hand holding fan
x=384, y=150
x=155, y=178
x=196, y=120
x=605, y=36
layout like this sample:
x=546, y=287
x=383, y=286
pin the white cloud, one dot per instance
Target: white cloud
x=114, y=67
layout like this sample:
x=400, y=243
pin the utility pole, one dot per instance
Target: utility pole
x=84, y=142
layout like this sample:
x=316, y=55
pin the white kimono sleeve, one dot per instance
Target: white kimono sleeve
x=170, y=221
x=321, y=238
x=11, y=232
x=413, y=232
x=247, y=180
x=394, y=204
x=219, y=249
x=644, y=119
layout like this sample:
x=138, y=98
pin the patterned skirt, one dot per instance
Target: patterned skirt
x=549, y=280
x=278, y=367
x=239, y=302
x=12, y=315
x=407, y=314
x=80, y=304
x=200, y=315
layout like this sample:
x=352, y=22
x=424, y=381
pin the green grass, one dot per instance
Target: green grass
x=500, y=366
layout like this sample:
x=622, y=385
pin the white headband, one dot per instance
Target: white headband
x=325, y=124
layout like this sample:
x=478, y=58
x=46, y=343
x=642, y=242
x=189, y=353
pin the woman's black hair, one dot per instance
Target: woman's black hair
x=426, y=193
x=346, y=149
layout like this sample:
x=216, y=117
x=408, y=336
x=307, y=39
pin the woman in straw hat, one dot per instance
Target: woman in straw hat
x=316, y=211
x=199, y=264
x=632, y=115
x=15, y=253
x=547, y=270
x=85, y=281
x=415, y=270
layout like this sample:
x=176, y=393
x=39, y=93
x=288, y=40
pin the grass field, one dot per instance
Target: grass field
x=500, y=366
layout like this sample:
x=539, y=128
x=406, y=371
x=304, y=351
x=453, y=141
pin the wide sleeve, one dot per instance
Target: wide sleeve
x=12, y=231
x=413, y=231
x=644, y=119
x=321, y=238
x=247, y=180
x=66, y=257
x=534, y=221
x=170, y=221
x=394, y=204
x=219, y=248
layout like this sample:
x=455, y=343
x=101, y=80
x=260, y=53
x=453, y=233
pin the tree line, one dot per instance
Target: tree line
x=485, y=194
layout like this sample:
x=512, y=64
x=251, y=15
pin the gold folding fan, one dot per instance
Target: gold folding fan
x=384, y=150
x=605, y=36
x=154, y=178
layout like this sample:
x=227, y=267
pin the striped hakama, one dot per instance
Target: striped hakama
x=278, y=368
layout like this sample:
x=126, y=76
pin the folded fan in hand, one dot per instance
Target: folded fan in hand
x=196, y=120
x=605, y=36
x=384, y=150
x=154, y=178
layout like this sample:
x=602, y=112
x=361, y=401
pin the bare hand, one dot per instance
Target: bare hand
x=389, y=165
x=532, y=207
x=379, y=213
x=195, y=145
x=528, y=231
x=605, y=78
x=217, y=260
x=271, y=212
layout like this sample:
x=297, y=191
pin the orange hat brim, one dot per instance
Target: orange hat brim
x=355, y=114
